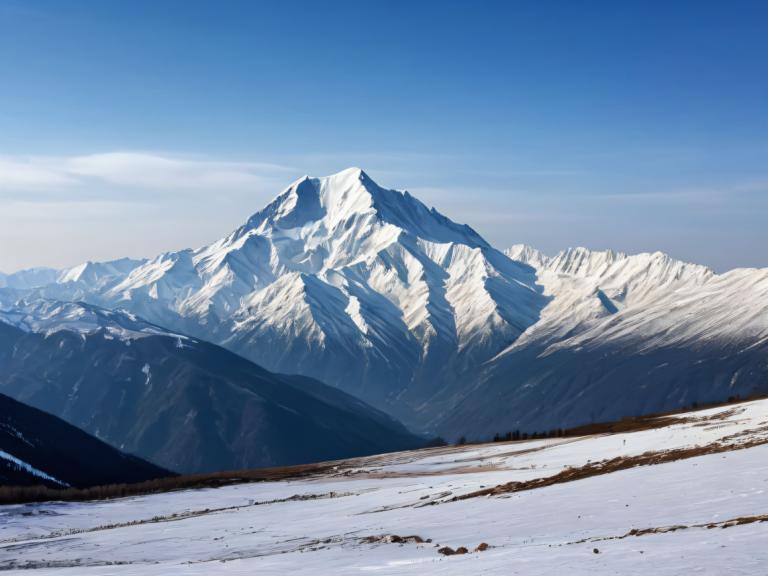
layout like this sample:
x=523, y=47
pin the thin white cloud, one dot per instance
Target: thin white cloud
x=133, y=170
x=61, y=210
x=31, y=174
x=31, y=213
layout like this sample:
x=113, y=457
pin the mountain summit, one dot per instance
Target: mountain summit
x=348, y=204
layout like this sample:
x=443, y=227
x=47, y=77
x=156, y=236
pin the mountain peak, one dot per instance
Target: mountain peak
x=309, y=199
x=332, y=206
x=352, y=171
x=528, y=255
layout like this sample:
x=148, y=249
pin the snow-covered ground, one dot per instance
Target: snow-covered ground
x=320, y=525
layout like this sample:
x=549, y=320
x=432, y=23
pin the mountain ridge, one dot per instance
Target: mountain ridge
x=36, y=448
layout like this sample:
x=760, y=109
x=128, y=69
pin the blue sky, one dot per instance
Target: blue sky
x=129, y=128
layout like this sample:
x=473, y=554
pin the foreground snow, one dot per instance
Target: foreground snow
x=318, y=526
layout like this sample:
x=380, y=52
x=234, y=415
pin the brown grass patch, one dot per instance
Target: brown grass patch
x=24, y=494
x=610, y=466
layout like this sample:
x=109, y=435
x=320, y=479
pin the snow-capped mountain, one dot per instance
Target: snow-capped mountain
x=30, y=278
x=623, y=335
x=585, y=285
x=80, y=282
x=369, y=290
x=603, y=296
x=338, y=278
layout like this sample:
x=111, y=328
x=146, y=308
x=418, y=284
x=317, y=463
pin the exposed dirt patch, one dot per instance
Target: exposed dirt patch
x=448, y=551
x=395, y=539
x=442, y=550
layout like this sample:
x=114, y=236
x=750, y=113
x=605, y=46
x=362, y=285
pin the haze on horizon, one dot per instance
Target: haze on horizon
x=129, y=129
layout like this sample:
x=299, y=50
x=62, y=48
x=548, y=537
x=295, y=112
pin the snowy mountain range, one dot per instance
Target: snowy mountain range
x=369, y=290
x=624, y=335
x=182, y=403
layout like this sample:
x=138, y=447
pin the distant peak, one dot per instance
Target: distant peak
x=528, y=255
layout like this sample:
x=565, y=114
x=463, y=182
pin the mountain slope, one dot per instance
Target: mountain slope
x=31, y=278
x=182, y=403
x=38, y=448
x=623, y=335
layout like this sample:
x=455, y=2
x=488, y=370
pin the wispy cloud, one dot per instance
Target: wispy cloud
x=61, y=210
x=132, y=170
x=32, y=175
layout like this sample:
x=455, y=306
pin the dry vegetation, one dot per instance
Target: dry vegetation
x=613, y=465
x=638, y=423
x=740, y=521
x=22, y=494
x=25, y=494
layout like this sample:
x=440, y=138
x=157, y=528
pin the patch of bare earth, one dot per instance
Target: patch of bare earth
x=413, y=539
x=740, y=521
x=395, y=539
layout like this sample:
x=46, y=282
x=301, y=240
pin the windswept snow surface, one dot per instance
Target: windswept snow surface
x=318, y=526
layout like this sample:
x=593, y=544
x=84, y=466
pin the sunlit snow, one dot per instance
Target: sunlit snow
x=685, y=513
